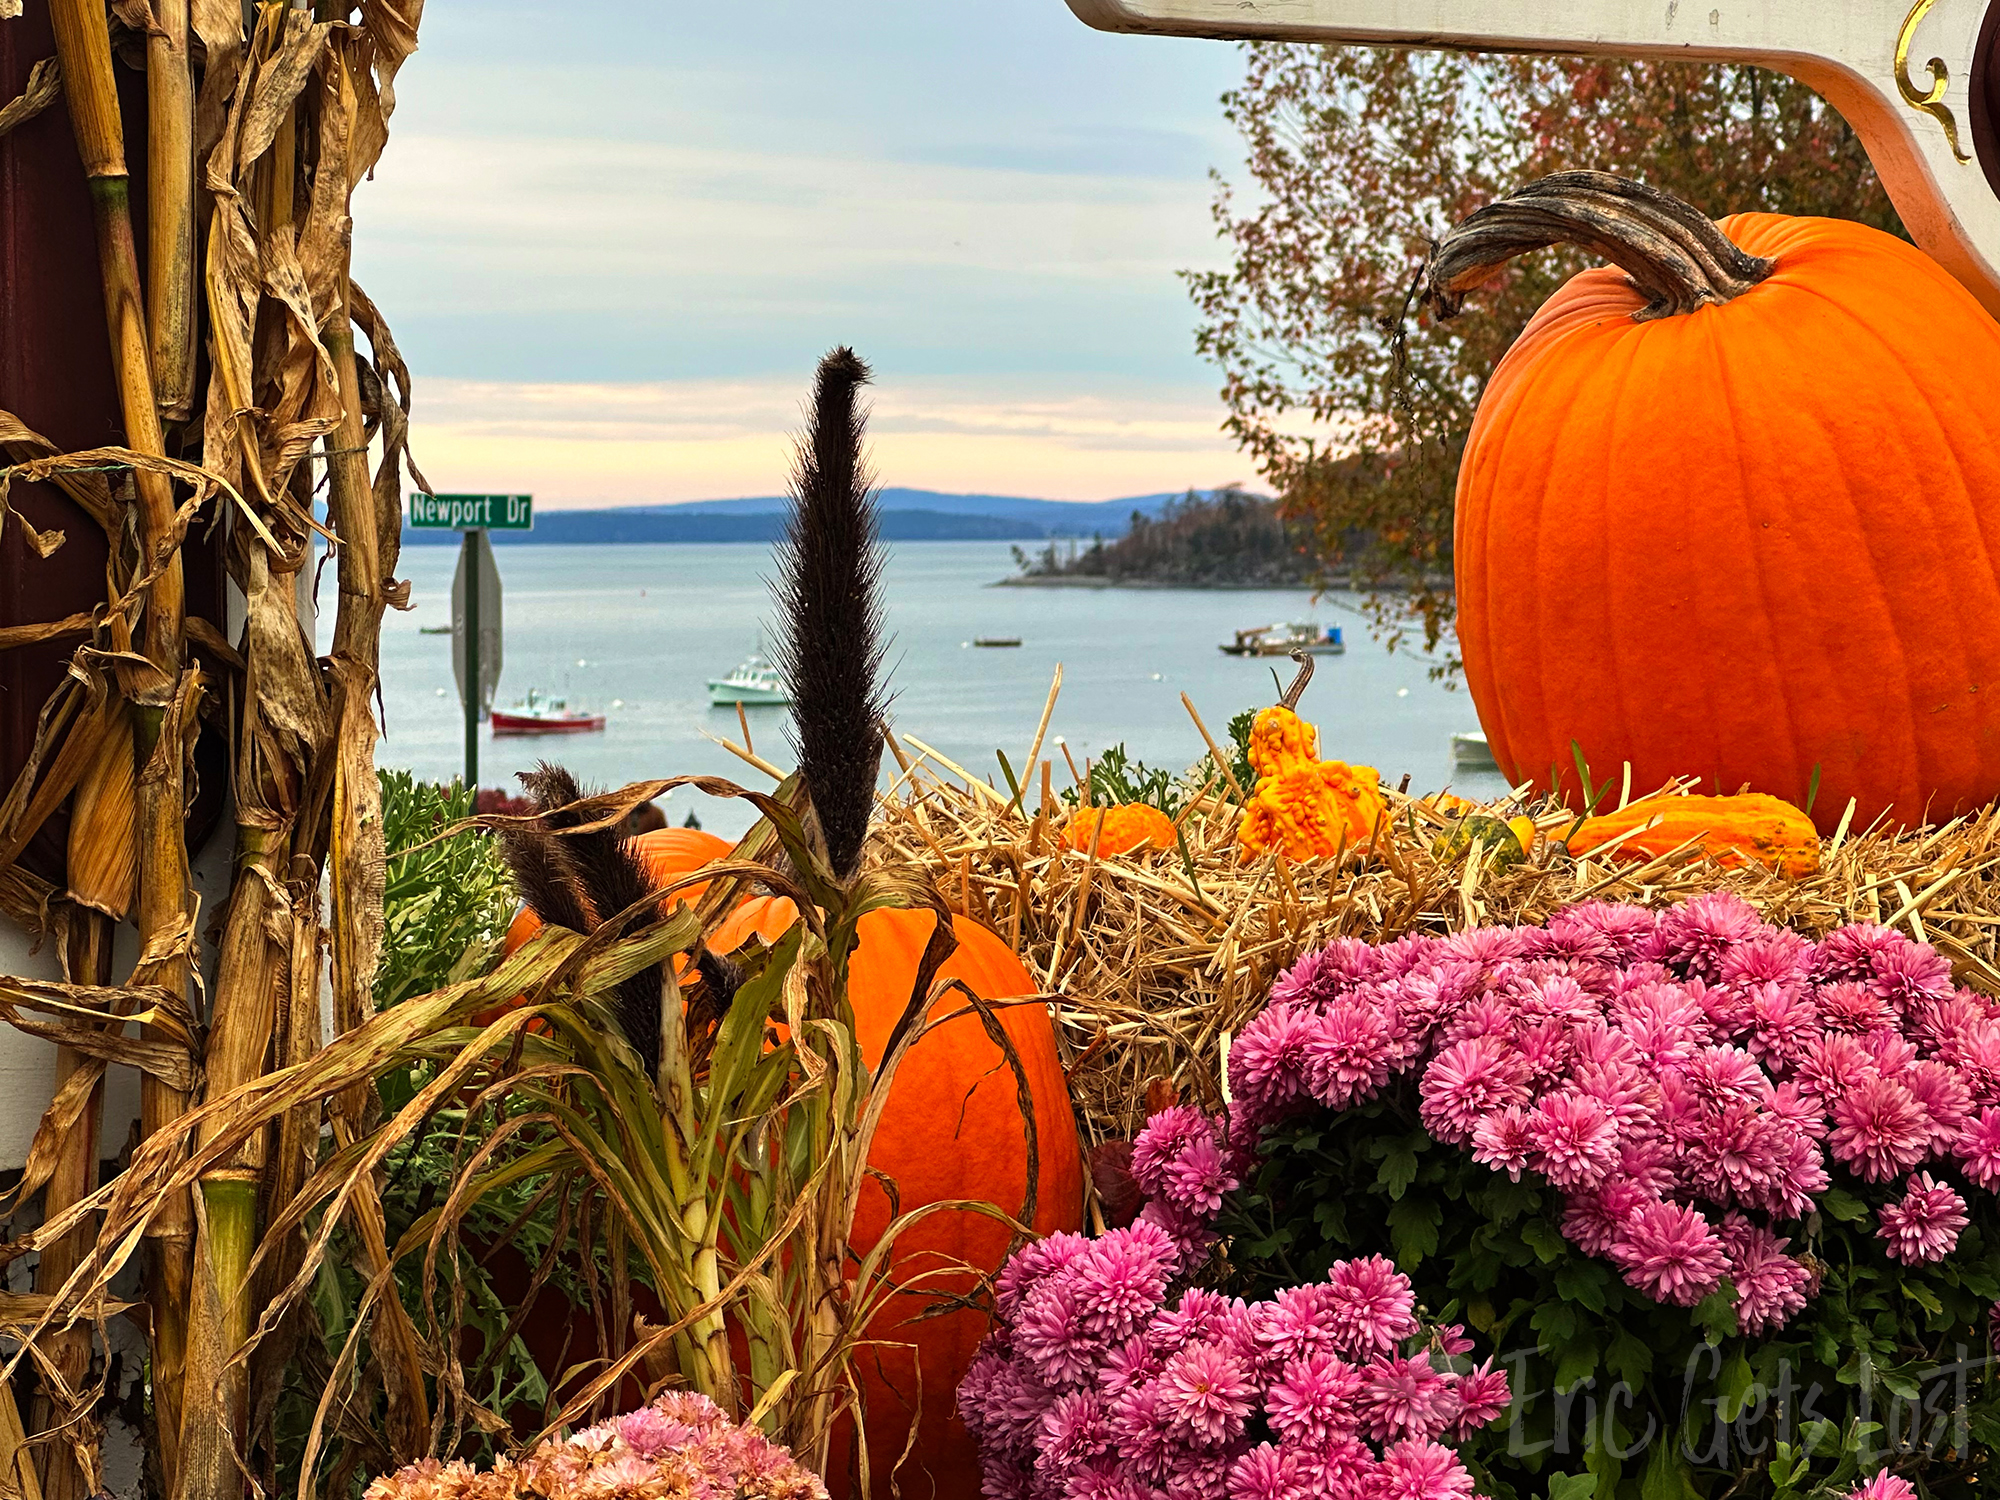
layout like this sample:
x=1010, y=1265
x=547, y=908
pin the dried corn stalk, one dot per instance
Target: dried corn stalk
x=266, y=126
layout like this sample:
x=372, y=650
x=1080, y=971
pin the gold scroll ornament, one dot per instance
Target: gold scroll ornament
x=1931, y=102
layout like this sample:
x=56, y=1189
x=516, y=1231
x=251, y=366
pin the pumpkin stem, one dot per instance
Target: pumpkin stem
x=1298, y=688
x=1672, y=253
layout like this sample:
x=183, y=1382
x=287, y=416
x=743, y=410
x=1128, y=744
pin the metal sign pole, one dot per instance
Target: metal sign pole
x=470, y=561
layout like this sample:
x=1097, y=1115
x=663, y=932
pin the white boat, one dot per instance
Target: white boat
x=1472, y=752
x=1282, y=640
x=755, y=681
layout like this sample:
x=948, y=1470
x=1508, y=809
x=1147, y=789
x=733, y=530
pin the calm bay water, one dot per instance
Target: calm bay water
x=647, y=626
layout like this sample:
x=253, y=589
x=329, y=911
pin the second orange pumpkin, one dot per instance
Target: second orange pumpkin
x=951, y=1129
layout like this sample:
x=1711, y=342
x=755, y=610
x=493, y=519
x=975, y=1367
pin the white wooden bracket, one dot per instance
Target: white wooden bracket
x=1919, y=82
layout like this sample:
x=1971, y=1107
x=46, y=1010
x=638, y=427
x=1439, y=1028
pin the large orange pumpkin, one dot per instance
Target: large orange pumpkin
x=951, y=1129
x=1741, y=524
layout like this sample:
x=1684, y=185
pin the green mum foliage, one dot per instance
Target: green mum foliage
x=1618, y=1397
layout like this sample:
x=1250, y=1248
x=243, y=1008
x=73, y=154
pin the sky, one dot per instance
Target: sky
x=612, y=249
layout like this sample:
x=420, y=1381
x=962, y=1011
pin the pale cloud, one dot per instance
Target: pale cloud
x=612, y=250
x=581, y=444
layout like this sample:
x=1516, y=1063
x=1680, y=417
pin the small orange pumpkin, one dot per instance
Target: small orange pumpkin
x=1730, y=508
x=1127, y=827
x=951, y=1129
x=1751, y=828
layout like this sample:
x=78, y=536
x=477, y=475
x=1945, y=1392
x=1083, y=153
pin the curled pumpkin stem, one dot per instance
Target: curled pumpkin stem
x=1298, y=688
x=1671, y=252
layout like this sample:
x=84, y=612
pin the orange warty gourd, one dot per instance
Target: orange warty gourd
x=1732, y=510
x=1303, y=805
x=1128, y=827
x=951, y=1129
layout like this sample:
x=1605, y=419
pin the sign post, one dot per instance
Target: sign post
x=475, y=597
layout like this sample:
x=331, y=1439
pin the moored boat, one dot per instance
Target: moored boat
x=1285, y=638
x=538, y=713
x=754, y=682
x=1472, y=752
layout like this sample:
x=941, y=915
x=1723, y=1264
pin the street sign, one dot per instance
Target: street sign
x=475, y=617
x=1920, y=83
x=462, y=512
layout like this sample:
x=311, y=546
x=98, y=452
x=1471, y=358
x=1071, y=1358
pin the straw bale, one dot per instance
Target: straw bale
x=1152, y=960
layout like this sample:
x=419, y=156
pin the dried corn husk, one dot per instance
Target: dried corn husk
x=103, y=826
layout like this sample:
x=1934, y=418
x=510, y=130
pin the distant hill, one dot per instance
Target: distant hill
x=907, y=516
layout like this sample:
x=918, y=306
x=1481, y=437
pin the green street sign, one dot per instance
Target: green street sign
x=472, y=512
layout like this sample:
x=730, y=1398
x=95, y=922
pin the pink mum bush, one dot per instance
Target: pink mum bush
x=1102, y=1381
x=1686, y=1079
x=679, y=1448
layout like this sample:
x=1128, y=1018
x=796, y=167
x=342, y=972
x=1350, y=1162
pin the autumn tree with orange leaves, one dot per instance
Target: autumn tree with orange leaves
x=1352, y=402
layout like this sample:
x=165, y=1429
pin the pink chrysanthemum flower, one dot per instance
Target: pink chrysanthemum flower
x=1036, y=1261
x=1851, y=1007
x=1783, y=1023
x=1770, y=1285
x=1594, y=1220
x=1166, y=1134
x=1880, y=1130
x=1201, y=1316
x=1574, y=1139
x=1945, y=1098
x=1884, y=1486
x=1776, y=955
x=1671, y=1253
x=1724, y=1075
x=1978, y=1149
x=1911, y=977
x=1832, y=1066
x=1267, y=1065
x=1347, y=1053
x=1501, y=1142
x=1267, y=1472
x=1692, y=939
x=1198, y=1178
x=1486, y=946
x=1925, y=1226
x=1369, y=1306
x=1465, y=1083
x=1320, y=978
x=1049, y=1334
x=1663, y=1021
x=1848, y=953
x=1074, y=1430
x=1404, y=1397
x=1626, y=928
x=1295, y=1325
x=1483, y=1398
x=1116, y=1287
x=1143, y=1429
x=1420, y=1470
x=1208, y=1390
x=1313, y=1401
x=1974, y=1050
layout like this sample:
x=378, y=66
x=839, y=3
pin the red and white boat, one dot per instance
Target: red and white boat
x=540, y=714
